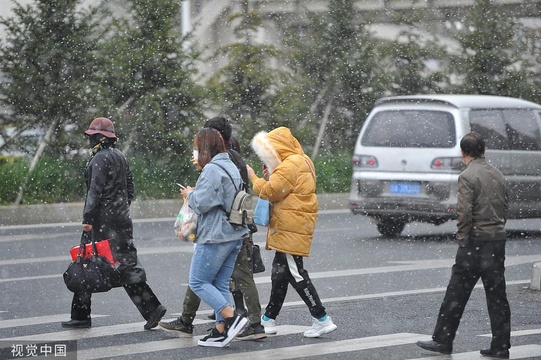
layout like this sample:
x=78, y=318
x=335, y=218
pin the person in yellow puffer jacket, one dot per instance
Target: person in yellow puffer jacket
x=289, y=184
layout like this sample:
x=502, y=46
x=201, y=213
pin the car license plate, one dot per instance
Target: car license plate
x=408, y=188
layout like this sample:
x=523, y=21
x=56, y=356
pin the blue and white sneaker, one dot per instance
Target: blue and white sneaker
x=320, y=327
x=269, y=325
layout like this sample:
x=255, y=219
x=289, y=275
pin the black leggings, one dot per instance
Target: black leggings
x=288, y=269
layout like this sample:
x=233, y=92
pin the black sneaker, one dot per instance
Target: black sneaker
x=177, y=325
x=214, y=339
x=233, y=326
x=155, y=317
x=253, y=332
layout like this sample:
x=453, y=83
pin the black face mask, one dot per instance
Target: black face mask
x=94, y=140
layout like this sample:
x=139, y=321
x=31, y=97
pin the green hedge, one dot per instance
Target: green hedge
x=333, y=172
x=57, y=180
x=52, y=181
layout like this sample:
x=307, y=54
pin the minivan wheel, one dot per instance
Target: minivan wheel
x=390, y=228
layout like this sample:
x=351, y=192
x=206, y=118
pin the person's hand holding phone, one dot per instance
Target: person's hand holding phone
x=184, y=190
x=180, y=188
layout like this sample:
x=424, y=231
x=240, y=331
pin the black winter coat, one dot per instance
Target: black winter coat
x=110, y=191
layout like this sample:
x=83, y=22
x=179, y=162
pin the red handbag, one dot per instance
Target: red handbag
x=103, y=247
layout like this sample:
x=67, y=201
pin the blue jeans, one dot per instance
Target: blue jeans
x=210, y=272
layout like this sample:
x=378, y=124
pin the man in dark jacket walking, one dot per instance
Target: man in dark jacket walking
x=482, y=214
x=106, y=215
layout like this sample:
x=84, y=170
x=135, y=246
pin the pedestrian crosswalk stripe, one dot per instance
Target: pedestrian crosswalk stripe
x=516, y=352
x=24, y=278
x=78, y=334
x=139, y=348
x=325, y=348
x=311, y=347
x=4, y=324
x=95, y=331
x=176, y=249
x=519, y=333
x=161, y=345
x=30, y=237
x=392, y=293
x=274, y=353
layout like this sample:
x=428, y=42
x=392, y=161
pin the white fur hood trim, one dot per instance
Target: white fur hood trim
x=266, y=151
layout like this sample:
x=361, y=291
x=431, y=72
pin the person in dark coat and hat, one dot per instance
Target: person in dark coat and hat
x=106, y=215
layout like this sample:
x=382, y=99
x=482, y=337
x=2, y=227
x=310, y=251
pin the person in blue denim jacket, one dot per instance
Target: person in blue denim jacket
x=218, y=242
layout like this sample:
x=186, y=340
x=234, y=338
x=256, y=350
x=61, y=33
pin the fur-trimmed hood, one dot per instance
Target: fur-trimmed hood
x=273, y=147
x=291, y=190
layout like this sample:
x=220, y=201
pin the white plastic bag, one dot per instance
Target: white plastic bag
x=186, y=223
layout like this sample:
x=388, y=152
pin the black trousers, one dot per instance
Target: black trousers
x=288, y=269
x=478, y=259
x=140, y=294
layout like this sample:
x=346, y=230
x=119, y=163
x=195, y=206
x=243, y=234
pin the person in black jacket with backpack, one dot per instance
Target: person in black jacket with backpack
x=244, y=289
x=106, y=215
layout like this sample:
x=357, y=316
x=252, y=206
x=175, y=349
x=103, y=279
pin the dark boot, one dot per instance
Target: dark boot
x=500, y=354
x=80, y=310
x=77, y=324
x=436, y=346
x=155, y=317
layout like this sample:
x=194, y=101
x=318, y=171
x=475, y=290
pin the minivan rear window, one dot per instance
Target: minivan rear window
x=411, y=128
x=510, y=129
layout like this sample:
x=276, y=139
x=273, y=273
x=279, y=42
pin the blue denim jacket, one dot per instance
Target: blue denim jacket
x=213, y=193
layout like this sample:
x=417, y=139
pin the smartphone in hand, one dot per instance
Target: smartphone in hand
x=181, y=186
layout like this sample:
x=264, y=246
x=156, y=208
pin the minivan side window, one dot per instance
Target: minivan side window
x=411, y=128
x=507, y=129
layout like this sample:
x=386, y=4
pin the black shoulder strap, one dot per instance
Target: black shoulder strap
x=241, y=166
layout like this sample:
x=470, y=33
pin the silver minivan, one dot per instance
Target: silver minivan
x=407, y=157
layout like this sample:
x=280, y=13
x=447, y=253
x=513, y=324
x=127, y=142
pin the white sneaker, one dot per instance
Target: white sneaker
x=269, y=325
x=320, y=327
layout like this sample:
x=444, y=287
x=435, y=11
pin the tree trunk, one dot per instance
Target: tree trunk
x=119, y=111
x=41, y=148
x=314, y=105
x=321, y=130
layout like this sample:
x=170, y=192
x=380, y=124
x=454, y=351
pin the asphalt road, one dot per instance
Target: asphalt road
x=382, y=293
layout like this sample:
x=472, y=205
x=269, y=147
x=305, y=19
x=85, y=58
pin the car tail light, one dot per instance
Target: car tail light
x=448, y=163
x=364, y=161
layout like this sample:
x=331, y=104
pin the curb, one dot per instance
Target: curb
x=144, y=209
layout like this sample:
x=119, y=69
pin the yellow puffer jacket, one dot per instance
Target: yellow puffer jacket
x=291, y=190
